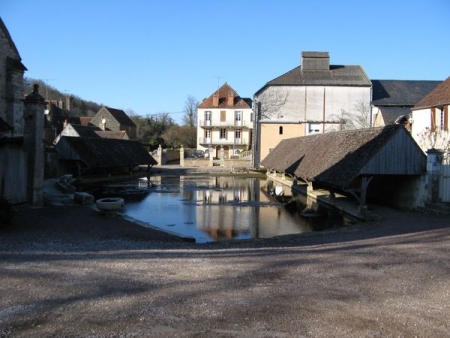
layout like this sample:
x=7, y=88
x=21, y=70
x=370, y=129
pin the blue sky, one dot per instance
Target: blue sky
x=150, y=55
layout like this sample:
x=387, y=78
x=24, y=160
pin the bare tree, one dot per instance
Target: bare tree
x=434, y=139
x=176, y=136
x=272, y=102
x=190, y=111
x=130, y=112
x=358, y=120
x=362, y=117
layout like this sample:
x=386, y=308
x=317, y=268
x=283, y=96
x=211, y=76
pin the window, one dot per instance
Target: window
x=223, y=133
x=251, y=117
x=237, y=133
x=208, y=115
x=280, y=130
x=314, y=128
x=207, y=133
x=238, y=115
x=443, y=119
x=223, y=115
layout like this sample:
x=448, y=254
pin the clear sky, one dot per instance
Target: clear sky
x=148, y=56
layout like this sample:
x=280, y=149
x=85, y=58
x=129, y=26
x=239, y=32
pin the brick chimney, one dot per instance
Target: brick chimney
x=230, y=101
x=216, y=99
x=315, y=61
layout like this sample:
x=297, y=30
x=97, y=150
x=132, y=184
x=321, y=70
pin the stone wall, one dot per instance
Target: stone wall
x=11, y=83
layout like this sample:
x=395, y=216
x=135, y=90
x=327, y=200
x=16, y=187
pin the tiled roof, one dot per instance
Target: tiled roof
x=224, y=91
x=85, y=131
x=337, y=158
x=336, y=76
x=400, y=92
x=81, y=120
x=121, y=117
x=121, y=134
x=439, y=96
x=99, y=152
x=15, y=61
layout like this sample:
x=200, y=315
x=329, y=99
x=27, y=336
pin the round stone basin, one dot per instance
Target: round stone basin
x=110, y=204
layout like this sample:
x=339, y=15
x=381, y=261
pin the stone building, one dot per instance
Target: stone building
x=313, y=98
x=114, y=120
x=11, y=86
x=21, y=129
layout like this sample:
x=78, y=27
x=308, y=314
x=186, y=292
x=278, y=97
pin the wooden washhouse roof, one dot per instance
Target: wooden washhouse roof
x=96, y=152
x=336, y=159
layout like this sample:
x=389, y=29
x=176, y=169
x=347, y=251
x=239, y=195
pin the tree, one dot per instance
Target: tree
x=130, y=112
x=271, y=103
x=176, y=136
x=434, y=139
x=78, y=106
x=151, y=128
x=190, y=111
x=358, y=120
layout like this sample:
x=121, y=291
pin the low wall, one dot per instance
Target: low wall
x=166, y=155
x=198, y=162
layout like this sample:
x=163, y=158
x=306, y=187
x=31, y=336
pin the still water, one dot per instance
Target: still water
x=217, y=208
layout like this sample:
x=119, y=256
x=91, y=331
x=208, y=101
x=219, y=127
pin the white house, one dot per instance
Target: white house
x=314, y=97
x=430, y=127
x=225, y=121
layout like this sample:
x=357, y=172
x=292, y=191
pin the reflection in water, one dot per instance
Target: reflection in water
x=217, y=208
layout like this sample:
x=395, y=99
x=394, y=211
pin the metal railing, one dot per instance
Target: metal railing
x=219, y=124
x=238, y=141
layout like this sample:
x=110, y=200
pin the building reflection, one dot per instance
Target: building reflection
x=223, y=215
x=226, y=207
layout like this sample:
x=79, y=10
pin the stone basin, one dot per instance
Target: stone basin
x=110, y=204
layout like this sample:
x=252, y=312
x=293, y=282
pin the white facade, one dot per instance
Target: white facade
x=315, y=97
x=224, y=121
x=426, y=120
x=430, y=119
x=319, y=108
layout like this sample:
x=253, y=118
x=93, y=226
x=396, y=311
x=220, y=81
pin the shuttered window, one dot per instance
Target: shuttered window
x=223, y=116
x=433, y=119
x=446, y=118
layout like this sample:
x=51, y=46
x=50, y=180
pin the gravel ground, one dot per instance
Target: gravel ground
x=71, y=272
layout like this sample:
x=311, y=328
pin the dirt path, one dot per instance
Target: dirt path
x=68, y=271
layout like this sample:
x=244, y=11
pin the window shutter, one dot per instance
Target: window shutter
x=433, y=119
x=446, y=118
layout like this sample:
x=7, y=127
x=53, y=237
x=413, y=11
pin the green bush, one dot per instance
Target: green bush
x=6, y=211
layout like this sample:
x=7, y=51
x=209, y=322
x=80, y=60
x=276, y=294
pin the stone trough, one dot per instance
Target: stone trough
x=110, y=205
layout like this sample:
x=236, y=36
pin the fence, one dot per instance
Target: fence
x=444, y=183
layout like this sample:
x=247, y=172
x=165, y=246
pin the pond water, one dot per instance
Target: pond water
x=210, y=208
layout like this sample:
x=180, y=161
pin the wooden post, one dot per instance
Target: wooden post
x=362, y=201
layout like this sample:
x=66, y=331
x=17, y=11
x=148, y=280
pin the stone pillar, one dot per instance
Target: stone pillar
x=434, y=164
x=159, y=156
x=34, y=145
x=211, y=156
x=181, y=156
x=221, y=156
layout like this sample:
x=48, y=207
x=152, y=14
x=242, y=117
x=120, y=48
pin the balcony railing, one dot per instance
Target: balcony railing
x=222, y=141
x=222, y=124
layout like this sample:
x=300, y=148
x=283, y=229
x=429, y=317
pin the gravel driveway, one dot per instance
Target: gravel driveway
x=71, y=272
